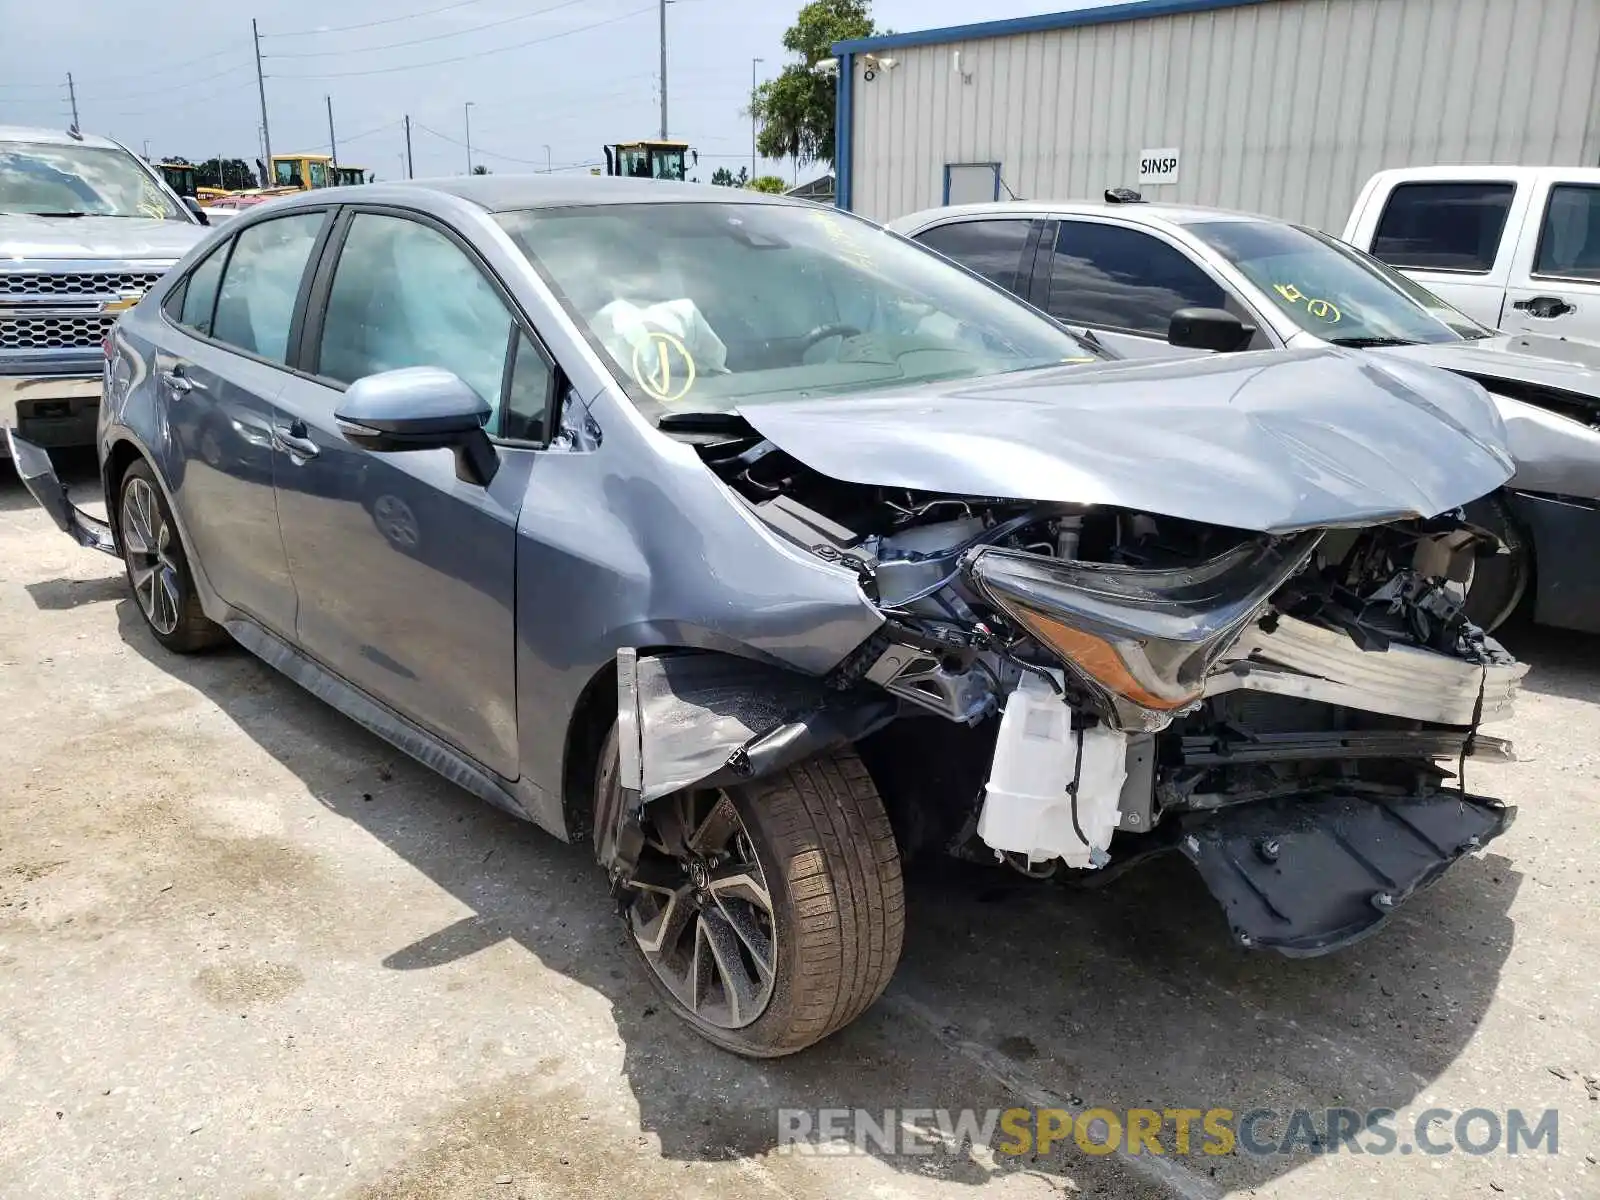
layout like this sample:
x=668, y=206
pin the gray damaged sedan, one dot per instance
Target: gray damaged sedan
x=765, y=551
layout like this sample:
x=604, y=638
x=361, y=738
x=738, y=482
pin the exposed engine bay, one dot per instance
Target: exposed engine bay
x=1076, y=686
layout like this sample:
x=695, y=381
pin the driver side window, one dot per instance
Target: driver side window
x=405, y=295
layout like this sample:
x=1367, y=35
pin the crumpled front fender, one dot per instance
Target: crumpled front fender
x=698, y=720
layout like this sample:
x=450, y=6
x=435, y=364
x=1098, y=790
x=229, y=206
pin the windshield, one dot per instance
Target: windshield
x=704, y=307
x=1332, y=290
x=79, y=181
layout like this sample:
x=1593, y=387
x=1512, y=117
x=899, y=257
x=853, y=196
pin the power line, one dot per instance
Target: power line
x=429, y=12
x=143, y=78
x=436, y=37
x=160, y=91
x=439, y=62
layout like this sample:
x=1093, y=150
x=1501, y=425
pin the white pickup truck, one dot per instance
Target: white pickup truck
x=1517, y=248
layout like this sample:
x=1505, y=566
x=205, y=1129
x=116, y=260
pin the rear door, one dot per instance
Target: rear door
x=1554, y=284
x=1124, y=284
x=998, y=248
x=219, y=363
x=1456, y=237
x=406, y=573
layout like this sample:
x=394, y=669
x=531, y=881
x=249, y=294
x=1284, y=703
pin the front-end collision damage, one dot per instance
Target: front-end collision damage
x=699, y=721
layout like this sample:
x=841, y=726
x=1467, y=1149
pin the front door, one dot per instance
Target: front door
x=1123, y=284
x=217, y=375
x=406, y=573
x=1555, y=278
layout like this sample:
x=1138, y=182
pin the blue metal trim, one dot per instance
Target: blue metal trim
x=1133, y=10
x=993, y=166
x=843, y=124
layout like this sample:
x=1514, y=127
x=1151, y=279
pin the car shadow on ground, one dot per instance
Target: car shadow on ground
x=1010, y=992
x=1560, y=662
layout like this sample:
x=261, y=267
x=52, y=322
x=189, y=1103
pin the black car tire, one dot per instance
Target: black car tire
x=158, y=567
x=1498, y=583
x=831, y=867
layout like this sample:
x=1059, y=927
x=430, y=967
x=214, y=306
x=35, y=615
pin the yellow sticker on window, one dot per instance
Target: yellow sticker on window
x=1322, y=310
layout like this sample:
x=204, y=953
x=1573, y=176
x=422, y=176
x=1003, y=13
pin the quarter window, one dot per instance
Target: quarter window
x=194, y=301
x=1443, y=226
x=1569, y=242
x=405, y=295
x=991, y=248
x=255, y=305
x=1109, y=277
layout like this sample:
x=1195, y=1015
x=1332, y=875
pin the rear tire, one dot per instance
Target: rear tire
x=1498, y=583
x=830, y=870
x=158, y=568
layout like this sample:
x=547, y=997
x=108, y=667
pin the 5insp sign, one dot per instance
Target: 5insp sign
x=1159, y=166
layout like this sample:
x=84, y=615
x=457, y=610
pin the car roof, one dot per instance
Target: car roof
x=1487, y=172
x=54, y=137
x=505, y=193
x=1138, y=213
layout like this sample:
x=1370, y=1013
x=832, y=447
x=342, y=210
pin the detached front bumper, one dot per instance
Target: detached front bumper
x=53, y=410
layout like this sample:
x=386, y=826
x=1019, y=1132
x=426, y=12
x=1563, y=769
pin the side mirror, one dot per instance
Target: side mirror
x=420, y=408
x=193, y=206
x=1209, y=329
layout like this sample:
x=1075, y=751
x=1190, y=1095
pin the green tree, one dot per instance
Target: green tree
x=796, y=109
x=480, y=169
x=768, y=183
x=722, y=177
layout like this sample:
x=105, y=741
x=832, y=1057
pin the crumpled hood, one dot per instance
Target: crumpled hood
x=1273, y=441
x=1553, y=453
x=1571, y=364
x=95, y=237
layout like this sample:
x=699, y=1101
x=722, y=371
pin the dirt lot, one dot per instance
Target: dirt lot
x=248, y=950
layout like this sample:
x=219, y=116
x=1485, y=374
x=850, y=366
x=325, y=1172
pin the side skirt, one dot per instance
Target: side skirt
x=368, y=713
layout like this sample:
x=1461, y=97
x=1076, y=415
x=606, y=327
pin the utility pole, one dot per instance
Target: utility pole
x=408, y=147
x=547, y=160
x=466, y=111
x=333, y=143
x=72, y=93
x=663, y=70
x=261, y=88
x=753, y=63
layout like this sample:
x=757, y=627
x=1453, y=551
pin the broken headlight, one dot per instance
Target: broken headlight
x=1140, y=639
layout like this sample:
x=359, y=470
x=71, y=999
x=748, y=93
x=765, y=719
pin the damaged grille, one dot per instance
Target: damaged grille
x=55, y=332
x=77, y=283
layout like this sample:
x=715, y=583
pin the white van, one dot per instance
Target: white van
x=1517, y=248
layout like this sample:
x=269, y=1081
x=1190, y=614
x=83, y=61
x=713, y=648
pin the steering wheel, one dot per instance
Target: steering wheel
x=823, y=332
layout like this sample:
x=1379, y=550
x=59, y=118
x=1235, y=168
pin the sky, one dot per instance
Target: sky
x=568, y=76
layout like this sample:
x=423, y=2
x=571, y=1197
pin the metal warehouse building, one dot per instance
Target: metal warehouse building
x=1276, y=106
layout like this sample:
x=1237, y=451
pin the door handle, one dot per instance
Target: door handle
x=295, y=441
x=1545, y=307
x=177, y=382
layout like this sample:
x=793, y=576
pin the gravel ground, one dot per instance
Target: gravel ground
x=248, y=950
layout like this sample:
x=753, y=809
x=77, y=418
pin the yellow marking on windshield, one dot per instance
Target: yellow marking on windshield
x=1322, y=310
x=659, y=381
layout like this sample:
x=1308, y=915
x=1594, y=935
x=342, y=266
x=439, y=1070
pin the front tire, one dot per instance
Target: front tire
x=1498, y=584
x=158, y=569
x=770, y=915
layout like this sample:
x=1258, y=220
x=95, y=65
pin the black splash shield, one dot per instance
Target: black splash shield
x=1309, y=874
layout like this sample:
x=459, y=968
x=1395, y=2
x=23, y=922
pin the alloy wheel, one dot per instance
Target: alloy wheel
x=147, y=548
x=702, y=912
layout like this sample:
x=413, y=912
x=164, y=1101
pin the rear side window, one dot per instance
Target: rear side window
x=1569, y=241
x=255, y=304
x=1109, y=277
x=194, y=301
x=991, y=248
x=1443, y=226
